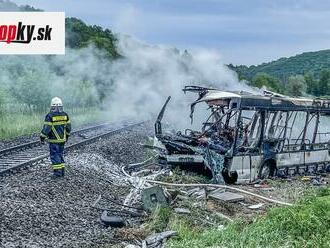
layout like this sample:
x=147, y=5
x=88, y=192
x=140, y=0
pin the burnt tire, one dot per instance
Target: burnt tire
x=112, y=221
x=268, y=169
x=230, y=177
x=327, y=168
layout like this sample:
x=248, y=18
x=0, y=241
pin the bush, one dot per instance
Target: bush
x=296, y=86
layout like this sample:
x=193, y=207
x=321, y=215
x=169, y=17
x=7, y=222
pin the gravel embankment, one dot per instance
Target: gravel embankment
x=5, y=143
x=39, y=211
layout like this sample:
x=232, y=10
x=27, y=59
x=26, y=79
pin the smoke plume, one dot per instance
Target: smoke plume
x=148, y=74
x=134, y=86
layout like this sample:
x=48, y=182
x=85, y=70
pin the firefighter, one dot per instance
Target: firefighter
x=56, y=131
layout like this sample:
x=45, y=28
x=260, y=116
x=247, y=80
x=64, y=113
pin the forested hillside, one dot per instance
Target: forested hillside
x=304, y=73
x=309, y=62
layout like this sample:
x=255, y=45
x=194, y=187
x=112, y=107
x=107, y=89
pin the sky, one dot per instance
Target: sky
x=242, y=31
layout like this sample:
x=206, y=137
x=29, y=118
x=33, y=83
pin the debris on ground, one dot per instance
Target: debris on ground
x=226, y=196
x=112, y=221
x=107, y=186
x=182, y=211
x=256, y=206
x=157, y=239
x=153, y=197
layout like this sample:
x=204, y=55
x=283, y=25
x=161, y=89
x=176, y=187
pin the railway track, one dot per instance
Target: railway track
x=20, y=156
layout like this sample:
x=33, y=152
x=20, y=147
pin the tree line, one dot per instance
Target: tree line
x=296, y=85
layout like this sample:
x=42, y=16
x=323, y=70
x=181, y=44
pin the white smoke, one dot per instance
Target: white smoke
x=136, y=85
x=148, y=74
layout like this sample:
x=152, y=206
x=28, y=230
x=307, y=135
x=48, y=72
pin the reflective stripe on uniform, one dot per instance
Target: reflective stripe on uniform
x=60, y=118
x=58, y=166
x=55, y=141
x=56, y=123
x=55, y=133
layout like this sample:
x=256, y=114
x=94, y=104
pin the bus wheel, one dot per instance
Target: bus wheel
x=230, y=177
x=268, y=169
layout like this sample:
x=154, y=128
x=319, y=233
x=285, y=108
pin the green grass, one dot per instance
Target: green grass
x=159, y=219
x=307, y=224
x=182, y=176
x=28, y=122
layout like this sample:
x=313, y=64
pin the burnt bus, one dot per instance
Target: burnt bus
x=251, y=136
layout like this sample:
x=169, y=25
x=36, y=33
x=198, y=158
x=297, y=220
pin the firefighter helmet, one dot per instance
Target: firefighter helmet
x=56, y=102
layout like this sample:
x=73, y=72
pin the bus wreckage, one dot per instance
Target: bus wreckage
x=249, y=136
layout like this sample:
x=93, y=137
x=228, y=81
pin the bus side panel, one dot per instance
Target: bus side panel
x=317, y=156
x=242, y=165
x=289, y=159
x=300, y=158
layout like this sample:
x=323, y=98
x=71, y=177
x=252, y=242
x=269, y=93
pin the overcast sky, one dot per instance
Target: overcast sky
x=243, y=31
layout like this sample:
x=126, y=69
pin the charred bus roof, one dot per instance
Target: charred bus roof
x=267, y=101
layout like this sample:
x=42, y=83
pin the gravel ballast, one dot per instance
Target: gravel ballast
x=37, y=210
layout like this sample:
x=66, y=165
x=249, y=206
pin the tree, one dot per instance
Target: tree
x=78, y=93
x=79, y=35
x=32, y=89
x=265, y=80
x=312, y=84
x=296, y=85
x=324, y=83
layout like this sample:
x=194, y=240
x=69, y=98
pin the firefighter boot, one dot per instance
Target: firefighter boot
x=57, y=173
x=62, y=172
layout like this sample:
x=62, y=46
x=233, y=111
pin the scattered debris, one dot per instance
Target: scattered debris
x=132, y=246
x=153, y=197
x=316, y=182
x=96, y=201
x=198, y=193
x=112, y=221
x=156, y=240
x=224, y=216
x=261, y=184
x=182, y=211
x=226, y=196
x=126, y=191
x=256, y=206
x=223, y=187
x=221, y=227
x=82, y=135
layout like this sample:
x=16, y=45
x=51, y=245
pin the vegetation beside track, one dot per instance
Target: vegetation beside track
x=306, y=224
x=26, y=122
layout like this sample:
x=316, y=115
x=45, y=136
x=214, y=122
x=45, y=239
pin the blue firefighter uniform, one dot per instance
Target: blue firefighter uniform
x=56, y=130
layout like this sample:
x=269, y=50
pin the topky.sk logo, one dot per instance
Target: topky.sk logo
x=21, y=33
x=32, y=33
